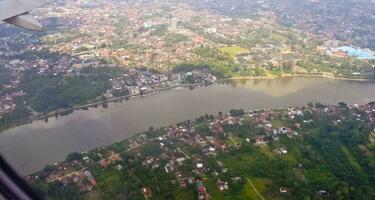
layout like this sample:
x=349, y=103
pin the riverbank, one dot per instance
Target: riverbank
x=297, y=75
x=120, y=98
x=146, y=150
x=61, y=112
x=30, y=147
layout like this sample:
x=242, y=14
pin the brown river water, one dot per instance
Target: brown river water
x=31, y=146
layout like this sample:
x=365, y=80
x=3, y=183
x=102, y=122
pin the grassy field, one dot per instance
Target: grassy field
x=233, y=51
x=246, y=193
x=279, y=37
x=277, y=123
x=235, y=143
x=260, y=184
x=298, y=172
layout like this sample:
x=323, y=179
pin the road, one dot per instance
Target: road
x=66, y=175
x=188, y=157
x=84, y=168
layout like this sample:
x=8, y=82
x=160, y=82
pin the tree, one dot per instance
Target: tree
x=237, y=112
x=57, y=190
x=342, y=105
x=73, y=156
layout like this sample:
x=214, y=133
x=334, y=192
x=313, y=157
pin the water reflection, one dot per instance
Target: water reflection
x=279, y=87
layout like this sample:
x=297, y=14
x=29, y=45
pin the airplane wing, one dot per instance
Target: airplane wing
x=16, y=12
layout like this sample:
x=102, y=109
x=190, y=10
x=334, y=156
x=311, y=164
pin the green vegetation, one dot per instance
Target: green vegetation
x=160, y=30
x=210, y=53
x=4, y=75
x=237, y=112
x=73, y=156
x=174, y=38
x=58, y=190
x=217, y=68
x=20, y=114
x=326, y=163
x=49, y=92
x=233, y=51
x=335, y=158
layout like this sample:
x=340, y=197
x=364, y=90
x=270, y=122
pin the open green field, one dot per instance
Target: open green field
x=279, y=37
x=245, y=190
x=233, y=51
x=277, y=123
x=260, y=185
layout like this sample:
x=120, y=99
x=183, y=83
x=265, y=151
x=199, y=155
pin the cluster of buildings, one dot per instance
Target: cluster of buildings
x=127, y=34
x=135, y=82
x=142, y=81
x=147, y=35
x=348, y=51
x=69, y=44
x=333, y=19
x=6, y=104
x=198, y=77
x=67, y=173
x=22, y=52
x=179, y=140
x=143, y=34
x=77, y=172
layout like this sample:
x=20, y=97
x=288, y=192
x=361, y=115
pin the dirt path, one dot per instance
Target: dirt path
x=256, y=191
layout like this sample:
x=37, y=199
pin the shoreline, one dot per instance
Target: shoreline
x=61, y=112
x=297, y=75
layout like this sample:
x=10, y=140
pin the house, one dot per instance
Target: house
x=183, y=182
x=237, y=178
x=104, y=163
x=283, y=130
x=323, y=193
x=201, y=188
x=261, y=140
x=119, y=167
x=199, y=165
x=90, y=177
x=149, y=161
x=202, y=192
x=283, y=190
x=282, y=151
x=180, y=160
x=222, y=185
x=147, y=193
x=297, y=125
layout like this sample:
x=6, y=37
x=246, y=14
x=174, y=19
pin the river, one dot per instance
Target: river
x=31, y=146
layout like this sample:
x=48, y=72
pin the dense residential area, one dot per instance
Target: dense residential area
x=161, y=37
x=312, y=152
x=350, y=21
x=131, y=69
x=165, y=38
